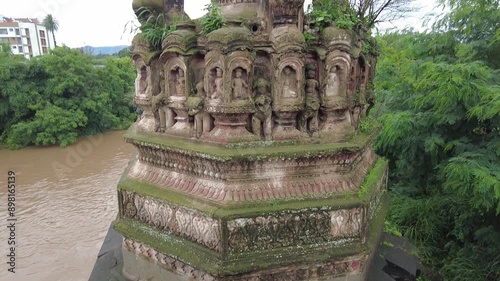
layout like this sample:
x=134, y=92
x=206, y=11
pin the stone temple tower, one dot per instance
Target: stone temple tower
x=251, y=160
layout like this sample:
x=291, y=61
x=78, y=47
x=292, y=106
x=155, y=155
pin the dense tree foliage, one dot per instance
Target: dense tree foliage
x=55, y=98
x=440, y=98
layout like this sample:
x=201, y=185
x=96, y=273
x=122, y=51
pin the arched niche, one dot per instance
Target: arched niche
x=214, y=76
x=176, y=76
x=143, y=79
x=240, y=77
x=289, y=78
x=336, y=80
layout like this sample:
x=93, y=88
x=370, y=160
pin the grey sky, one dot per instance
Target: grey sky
x=101, y=22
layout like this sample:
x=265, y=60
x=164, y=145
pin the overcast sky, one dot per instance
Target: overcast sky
x=101, y=22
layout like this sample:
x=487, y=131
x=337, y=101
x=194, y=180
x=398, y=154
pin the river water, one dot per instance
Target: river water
x=65, y=202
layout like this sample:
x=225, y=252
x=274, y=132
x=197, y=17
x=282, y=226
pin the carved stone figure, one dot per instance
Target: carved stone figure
x=202, y=119
x=289, y=83
x=239, y=85
x=334, y=89
x=179, y=82
x=308, y=121
x=262, y=123
x=218, y=86
x=160, y=105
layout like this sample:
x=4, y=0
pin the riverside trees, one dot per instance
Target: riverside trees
x=55, y=98
x=441, y=102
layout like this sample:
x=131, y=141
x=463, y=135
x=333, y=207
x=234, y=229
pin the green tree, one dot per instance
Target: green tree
x=53, y=99
x=441, y=102
x=52, y=25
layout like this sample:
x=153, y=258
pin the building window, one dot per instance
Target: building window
x=27, y=31
x=44, y=50
x=14, y=47
x=3, y=31
x=4, y=40
x=11, y=29
x=17, y=31
x=42, y=33
x=44, y=42
x=28, y=41
x=19, y=41
x=20, y=48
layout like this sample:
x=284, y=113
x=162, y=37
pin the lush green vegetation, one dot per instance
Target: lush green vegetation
x=439, y=93
x=212, y=20
x=55, y=98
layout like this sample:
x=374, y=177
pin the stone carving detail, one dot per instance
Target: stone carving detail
x=202, y=119
x=144, y=93
x=160, y=106
x=262, y=122
x=341, y=227
x=308, y=122
x=352, y=265
x=289, y=83
x=188, y=224
x=217, y=86
x=346, y=223
x=239, y=85
x=178, y=81
x=200, y=175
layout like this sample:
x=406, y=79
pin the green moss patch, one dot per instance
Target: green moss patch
x=373, y=179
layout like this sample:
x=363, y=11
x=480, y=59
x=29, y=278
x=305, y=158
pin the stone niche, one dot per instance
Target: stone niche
x=250, y=163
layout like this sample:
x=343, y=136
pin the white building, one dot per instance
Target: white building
x=27, y=37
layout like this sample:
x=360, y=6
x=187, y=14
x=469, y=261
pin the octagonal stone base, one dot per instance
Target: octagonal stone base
x=288, y=212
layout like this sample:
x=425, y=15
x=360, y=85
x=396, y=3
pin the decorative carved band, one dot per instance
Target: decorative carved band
x=179, y=221
x=252, y=181
x=288, y=229
x=283, y=230
x=334, y=268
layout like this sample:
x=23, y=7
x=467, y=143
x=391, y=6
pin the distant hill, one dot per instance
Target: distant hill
x=103, y=50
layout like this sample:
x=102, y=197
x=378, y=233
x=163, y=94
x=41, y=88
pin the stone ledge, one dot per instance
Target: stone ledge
x=249, y=151
x=248, y=208
x=218, y=264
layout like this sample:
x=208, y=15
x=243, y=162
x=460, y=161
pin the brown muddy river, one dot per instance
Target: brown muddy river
x=65, y=202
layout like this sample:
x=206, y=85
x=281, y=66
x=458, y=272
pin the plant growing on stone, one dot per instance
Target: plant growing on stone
x=212, y=20
x=155, y=27
x=356, y=13
x=323, y=12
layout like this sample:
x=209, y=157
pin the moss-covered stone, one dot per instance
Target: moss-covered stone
x=252, y=151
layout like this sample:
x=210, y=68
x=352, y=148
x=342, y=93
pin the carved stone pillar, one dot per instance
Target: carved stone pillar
x=256, y=171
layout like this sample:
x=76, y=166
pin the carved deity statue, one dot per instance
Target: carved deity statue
x=239, y=85
x=262, y=119
x=179, y=82
x=202, y=120
x=143, y=79
x=218, y=89
x=334, y=89
x=165, y=114
x=308, y=121
x=289, y=83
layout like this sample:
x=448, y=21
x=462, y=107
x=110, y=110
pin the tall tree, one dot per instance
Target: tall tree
x=441, y=97
x=52, y=26
x=362, y=14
